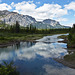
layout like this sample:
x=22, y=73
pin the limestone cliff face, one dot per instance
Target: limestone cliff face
x=24, y=20
x=11, y=18
x=51, y=22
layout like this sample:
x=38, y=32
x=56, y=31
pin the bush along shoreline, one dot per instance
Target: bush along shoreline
x=69, y=59
x=71, y=38
x=8, y=69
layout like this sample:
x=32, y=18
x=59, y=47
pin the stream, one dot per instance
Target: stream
x=32, y=58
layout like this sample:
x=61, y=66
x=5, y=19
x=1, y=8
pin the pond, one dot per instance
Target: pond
x=37, y=58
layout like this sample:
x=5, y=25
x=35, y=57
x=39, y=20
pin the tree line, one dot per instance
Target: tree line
x=32, y=29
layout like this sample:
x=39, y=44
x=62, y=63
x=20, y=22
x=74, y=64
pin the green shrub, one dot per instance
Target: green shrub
x=2, y=38
x=8, y=69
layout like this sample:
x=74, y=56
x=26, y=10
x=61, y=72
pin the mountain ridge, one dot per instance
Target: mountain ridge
x=25, y=20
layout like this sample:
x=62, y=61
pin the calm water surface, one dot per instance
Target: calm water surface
x=37, y=58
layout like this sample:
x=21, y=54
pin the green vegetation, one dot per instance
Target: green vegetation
x=63, y=36
x=71, y=37
x=14, y=37
x=15, y=33
x=70, y=57
x=6, y=36
x=8, y=69
x=70, y=44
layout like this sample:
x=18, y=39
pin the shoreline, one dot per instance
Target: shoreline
x=70, y=64
x=65, y=40
x=31, y=38
x=23, y=38
x=65, y=63
x=15, y=42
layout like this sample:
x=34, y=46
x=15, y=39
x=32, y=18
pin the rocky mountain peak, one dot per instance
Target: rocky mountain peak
x=11, y=18
x=51, y=22
x=24, y=20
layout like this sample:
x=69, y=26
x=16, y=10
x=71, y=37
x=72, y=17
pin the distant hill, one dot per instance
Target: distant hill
x=25, y=20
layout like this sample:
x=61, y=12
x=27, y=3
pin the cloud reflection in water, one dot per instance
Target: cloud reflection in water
x=52, y=50
x=51, y=70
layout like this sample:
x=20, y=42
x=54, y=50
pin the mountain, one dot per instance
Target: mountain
x=48, y=23
x=11, y=18
x=25, y=20
x=51, y=22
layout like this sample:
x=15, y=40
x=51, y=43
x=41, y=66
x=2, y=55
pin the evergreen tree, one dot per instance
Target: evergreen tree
x=74, y=26
x=27, y=29
x=30, y=26
x=12, y=28
x=17, y=27
x=4, y=23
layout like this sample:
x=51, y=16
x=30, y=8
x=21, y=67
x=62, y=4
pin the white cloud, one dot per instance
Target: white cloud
x=70, y=6
x=26, y=8
x=51, y=11
x=62, y=19
x=43, y=12
x=12, y=3
x=16, y=11
x=46, y=11
x=70, y=24
x=5, y=6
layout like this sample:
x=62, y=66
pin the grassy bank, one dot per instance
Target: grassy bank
x=10, y=36
x=69, y=39
x=6, y=38
x=70, y=57
x=63, y=36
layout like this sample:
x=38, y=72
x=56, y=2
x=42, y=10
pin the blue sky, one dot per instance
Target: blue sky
x=60, y=10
